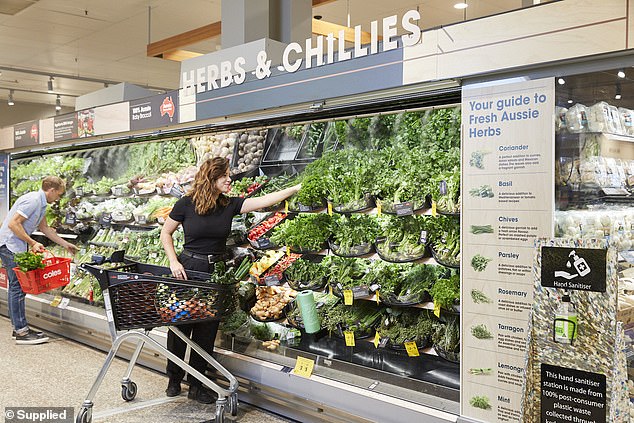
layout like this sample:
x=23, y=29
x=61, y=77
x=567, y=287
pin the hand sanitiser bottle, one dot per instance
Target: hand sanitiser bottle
x=565, y=324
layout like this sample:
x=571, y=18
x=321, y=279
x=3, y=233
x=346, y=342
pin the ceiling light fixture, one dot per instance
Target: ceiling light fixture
x=50, y=85
x=561, y=81
x=621, y=73
x=58, y=102
x=10, y=102
x=570, y=101
x=617, y=94
x=461, y=5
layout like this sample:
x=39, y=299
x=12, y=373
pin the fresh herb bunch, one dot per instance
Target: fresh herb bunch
x=449, y=202
x=229, y=276
x=480, y=401
x=403, y=325
x=446, y=291
x=483, y=191
x=477, y=159
x=481, y=229
x=479, y=297
x=447, y=336
x=345, y=272
x=358, y=318
x=261, y=331
x=305, y=232
x=445, y=239
x=481, y=332
x=353, y=231
x=28, y=261
x=306, y=273
x=479, y=262
x=402, y=236
x=295, y=132
x=236, y=320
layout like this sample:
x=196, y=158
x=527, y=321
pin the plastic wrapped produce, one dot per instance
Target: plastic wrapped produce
x=627, y=120
x=250, y=151
x=217, y=145
x=603, y=117
x=560, y=119
x=577, y=118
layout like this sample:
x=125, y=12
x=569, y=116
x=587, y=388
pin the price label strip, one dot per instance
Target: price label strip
x=377, y=339
x=349, y=336
x=434, y=211
x=379, y=208
x=285, y=206
x=304, y=367
x=329, y=208
x=348, y=297
x=412, y=349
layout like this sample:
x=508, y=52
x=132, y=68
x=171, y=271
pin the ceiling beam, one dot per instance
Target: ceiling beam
x=324, y=28
x=170, y=48
x=159, y=48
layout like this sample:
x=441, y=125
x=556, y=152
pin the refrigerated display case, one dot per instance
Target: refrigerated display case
x=392, y=335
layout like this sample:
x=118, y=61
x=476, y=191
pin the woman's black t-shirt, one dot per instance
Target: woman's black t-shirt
x=205, y=234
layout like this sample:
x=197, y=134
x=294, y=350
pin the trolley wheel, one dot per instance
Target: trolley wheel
x=220, y=413
x=128, y=391
x=233, y=404
x=84, y=415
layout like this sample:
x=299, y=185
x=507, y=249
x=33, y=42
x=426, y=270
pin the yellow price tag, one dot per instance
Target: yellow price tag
x=288, y=251
x=378, y=208
x=286, y=206
x=349, y=335
x=433, y=209
x=347, y=297
x=378, y=299
x=304, y=367
x=329, y=208
x=329, y=289
x=377, y=339
x=437, y=309
x=412, y=349
x=56, y=301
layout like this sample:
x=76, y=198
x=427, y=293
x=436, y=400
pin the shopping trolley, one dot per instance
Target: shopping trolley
x=139, y=297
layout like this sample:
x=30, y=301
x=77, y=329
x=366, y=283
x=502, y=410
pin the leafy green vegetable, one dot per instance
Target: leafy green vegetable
x=401, y=237
x=304, y=274
x=446, y=291
x=359, y=318
x=305, y=232
x=352, y=231
x=345, y=272
x=447, y=337
x=236, y=320
x=28, y=261
x=401, y=325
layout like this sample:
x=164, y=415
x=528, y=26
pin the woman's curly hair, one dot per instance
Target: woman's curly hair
x=204, y=193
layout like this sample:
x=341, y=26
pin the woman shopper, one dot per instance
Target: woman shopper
x=206, y=213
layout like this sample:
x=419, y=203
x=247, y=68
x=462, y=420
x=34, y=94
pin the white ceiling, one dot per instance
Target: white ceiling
x=106, y=40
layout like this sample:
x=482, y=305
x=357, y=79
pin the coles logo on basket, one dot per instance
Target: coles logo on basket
x=52, y=274
x=167, y=107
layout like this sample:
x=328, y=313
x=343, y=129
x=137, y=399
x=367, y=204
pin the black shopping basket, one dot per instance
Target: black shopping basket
x=144, y=296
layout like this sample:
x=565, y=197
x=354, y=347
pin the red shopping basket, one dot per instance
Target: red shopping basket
x=56, y=273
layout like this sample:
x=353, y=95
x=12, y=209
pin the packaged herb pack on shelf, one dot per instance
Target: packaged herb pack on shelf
x=307, y=272
x=353, y=235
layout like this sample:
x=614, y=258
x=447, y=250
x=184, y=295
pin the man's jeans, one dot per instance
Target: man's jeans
x=17, y=309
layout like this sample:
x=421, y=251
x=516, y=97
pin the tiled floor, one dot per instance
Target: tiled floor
x=61, y=372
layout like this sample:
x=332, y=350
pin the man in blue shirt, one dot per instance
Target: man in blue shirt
x=28, y=214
